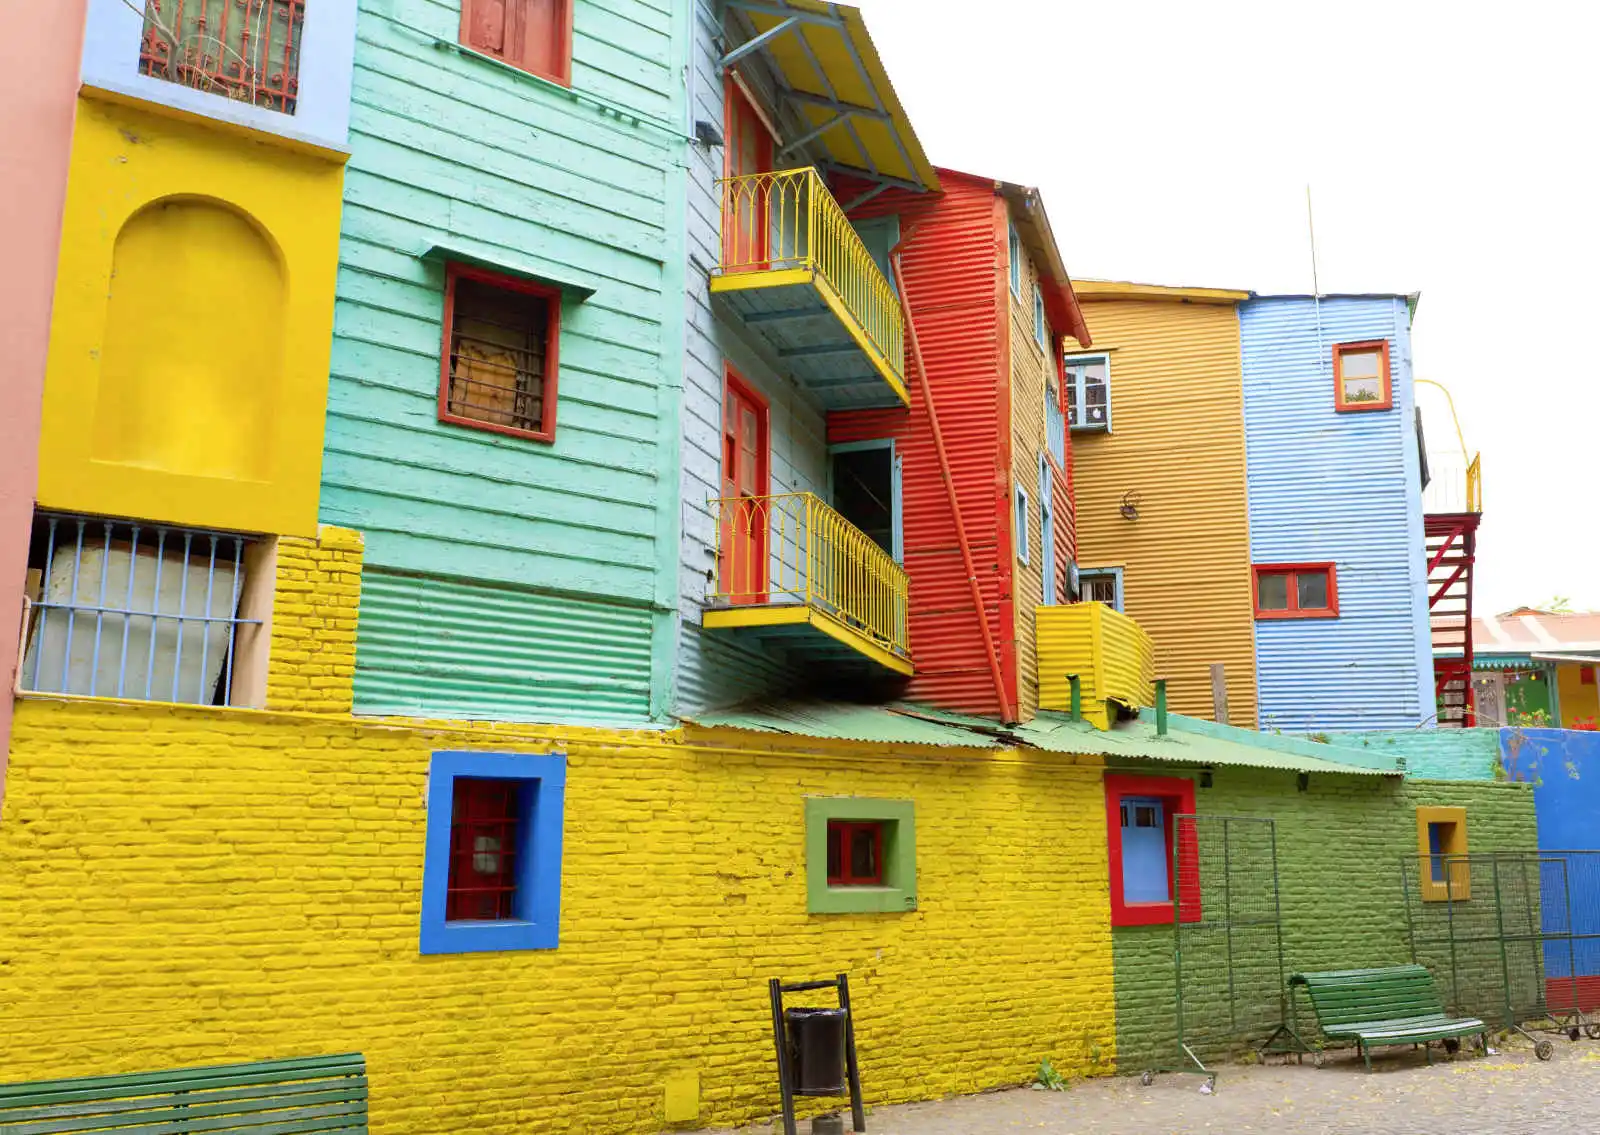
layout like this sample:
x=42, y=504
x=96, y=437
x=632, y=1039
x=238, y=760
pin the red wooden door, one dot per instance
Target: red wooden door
x=746, y=219
x=745, y=508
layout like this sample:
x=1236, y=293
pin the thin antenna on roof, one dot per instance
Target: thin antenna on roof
x=1316, y=288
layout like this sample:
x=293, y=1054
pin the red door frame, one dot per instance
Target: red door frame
x=745, y=248
x=752, y=519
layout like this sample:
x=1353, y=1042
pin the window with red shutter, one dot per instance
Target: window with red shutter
x=484, y=824
x=855, y=854
x=533, y=35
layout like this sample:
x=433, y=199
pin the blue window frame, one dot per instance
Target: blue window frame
x=1144, y=850
x=1022, y=524
x=1055, y=424
x=535, y=907
x=1016, y=263
x=1047, y=533
x=1101, y=585
x=1041, y=329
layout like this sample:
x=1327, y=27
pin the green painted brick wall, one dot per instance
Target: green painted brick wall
x=1339, y=846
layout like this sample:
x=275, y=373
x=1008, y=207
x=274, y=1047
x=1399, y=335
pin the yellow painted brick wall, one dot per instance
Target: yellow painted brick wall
x=186, y=886
x=313, y=644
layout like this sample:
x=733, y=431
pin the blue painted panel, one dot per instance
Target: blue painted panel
x=537, y=862
x=1429, y=754
x=1344, y=487
x=1144, y=850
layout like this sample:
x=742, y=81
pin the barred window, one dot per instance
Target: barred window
x=500, y=351
x=144, y=611
x=244, y=50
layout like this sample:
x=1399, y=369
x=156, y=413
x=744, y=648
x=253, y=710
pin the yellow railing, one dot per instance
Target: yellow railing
x=1475, y=484
x=793, y=548
x=787, y=219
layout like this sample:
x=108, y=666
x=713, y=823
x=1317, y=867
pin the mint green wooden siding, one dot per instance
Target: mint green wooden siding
x=563, y=541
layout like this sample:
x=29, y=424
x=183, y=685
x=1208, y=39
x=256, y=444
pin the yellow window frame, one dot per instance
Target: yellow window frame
x=1457, y=885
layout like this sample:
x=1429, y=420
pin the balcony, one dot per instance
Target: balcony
x=794, y=271
x=793, y=571
x=1112, y=655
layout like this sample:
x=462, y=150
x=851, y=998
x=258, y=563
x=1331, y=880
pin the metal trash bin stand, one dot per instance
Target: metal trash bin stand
x=816, y=1050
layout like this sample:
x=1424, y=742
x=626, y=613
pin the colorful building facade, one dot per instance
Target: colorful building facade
x=1163, y=522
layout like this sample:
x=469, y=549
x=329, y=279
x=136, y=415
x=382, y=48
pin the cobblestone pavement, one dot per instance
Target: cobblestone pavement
x=1507, y=1094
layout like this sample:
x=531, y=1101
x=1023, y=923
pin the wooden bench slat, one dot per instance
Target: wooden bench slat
x=219, y=1076
x=1377, y=1006
x=109, y=1105
x=85, y=1116
x=328, y=1117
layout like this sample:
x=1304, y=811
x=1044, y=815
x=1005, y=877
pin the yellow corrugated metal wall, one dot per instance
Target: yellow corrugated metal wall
x=1177, y=441
x=1029, y=366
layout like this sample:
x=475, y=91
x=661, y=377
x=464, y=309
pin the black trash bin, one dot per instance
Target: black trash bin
x=816, y=1050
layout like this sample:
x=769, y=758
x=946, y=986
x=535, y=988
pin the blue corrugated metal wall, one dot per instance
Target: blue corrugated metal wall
x=1345, y=487
x=543, y=558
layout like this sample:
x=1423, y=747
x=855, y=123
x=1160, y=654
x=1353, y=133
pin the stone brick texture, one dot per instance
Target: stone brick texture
x=314, y=607
x=1339, y=849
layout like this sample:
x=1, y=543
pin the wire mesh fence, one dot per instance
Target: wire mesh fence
x=1511, y=937
x=1228, y=939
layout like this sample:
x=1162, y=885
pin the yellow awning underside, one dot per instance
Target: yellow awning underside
x=849, y=64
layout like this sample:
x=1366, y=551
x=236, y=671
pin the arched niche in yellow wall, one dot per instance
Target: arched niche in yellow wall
x=192, y=364
x=192, y=321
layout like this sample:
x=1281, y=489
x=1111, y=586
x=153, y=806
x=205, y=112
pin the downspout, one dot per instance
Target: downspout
x=989, y=646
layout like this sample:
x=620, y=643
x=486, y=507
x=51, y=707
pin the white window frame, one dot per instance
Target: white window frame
x=898, y=526
x=1020, y=520
x=1041, y=329
x=1052, y=406
x=1015, y=247
x=1080, y=390
x=1086, y=574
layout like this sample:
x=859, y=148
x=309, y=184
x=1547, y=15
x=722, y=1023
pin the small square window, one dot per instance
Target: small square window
x=1296, y=591
x=492, y=864
x=1101, y=585
x=855, y=854
x=861, y=855
x=1445, y=869
x=1087, y=386
x=1361, y=376
x=500, y=354
x=1586, y=675
x=1016, y=263
x=530, y=35
x=248, y=53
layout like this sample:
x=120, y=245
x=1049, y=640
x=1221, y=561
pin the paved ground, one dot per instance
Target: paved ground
x=1507, y=1094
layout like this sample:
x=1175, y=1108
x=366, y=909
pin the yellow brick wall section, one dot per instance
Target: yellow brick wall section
x=312, y=660
x=186, y=886
x=1177, y=440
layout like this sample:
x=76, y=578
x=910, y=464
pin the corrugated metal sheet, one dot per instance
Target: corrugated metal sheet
x=446, y=648
x=1111, y=654
x=1345, y=487
x=1030, y=367
x=955, y=277
x=837, y=721
x=1178, y=443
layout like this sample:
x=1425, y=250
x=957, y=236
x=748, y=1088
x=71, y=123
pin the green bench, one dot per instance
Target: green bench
x=275, y=1097
x=1376, y=1007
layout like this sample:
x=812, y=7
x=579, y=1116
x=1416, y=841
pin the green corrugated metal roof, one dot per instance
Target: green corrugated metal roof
x=1188, y=740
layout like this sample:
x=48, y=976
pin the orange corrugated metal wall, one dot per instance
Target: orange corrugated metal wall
x=954, y=267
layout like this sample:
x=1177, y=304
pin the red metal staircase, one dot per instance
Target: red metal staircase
x=1451, y=541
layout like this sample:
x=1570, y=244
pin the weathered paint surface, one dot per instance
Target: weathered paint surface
x=1341, y=487
x=955, y=273
x=296, y=835
x=1342, y=906
x=151, y=203
x=1430, y=754
x=1177, y=441
x=716, y=668
x=38, y=86
x=451, y=149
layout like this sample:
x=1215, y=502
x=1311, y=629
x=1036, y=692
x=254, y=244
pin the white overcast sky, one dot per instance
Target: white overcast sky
x=1450, y=147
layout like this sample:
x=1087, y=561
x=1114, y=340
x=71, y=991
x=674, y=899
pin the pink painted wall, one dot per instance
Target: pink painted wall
x=39, y=91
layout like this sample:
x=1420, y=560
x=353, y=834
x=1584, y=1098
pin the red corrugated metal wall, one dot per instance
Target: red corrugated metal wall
x=955, y=272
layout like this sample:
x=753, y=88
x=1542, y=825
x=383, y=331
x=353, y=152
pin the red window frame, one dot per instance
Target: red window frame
x=1294, y=571
x=546, y=430
x=1177, y=795
x=482, y=884
x=848, y=832
x=530, y=26
x=1342, y=349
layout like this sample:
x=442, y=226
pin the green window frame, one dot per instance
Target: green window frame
x=898, y=894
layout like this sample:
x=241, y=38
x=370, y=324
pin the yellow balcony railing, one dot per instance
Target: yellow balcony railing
x=786, y=221
x=1475, y=485
x=1112, y=655
x=792, y=552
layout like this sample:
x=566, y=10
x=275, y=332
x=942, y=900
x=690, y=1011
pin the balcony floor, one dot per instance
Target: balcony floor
x=807, y=633
x=796, y=313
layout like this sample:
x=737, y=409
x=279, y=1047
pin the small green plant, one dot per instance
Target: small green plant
x=1048, y=1078
x=1319, y=738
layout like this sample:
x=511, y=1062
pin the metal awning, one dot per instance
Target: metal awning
x=836, y=100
